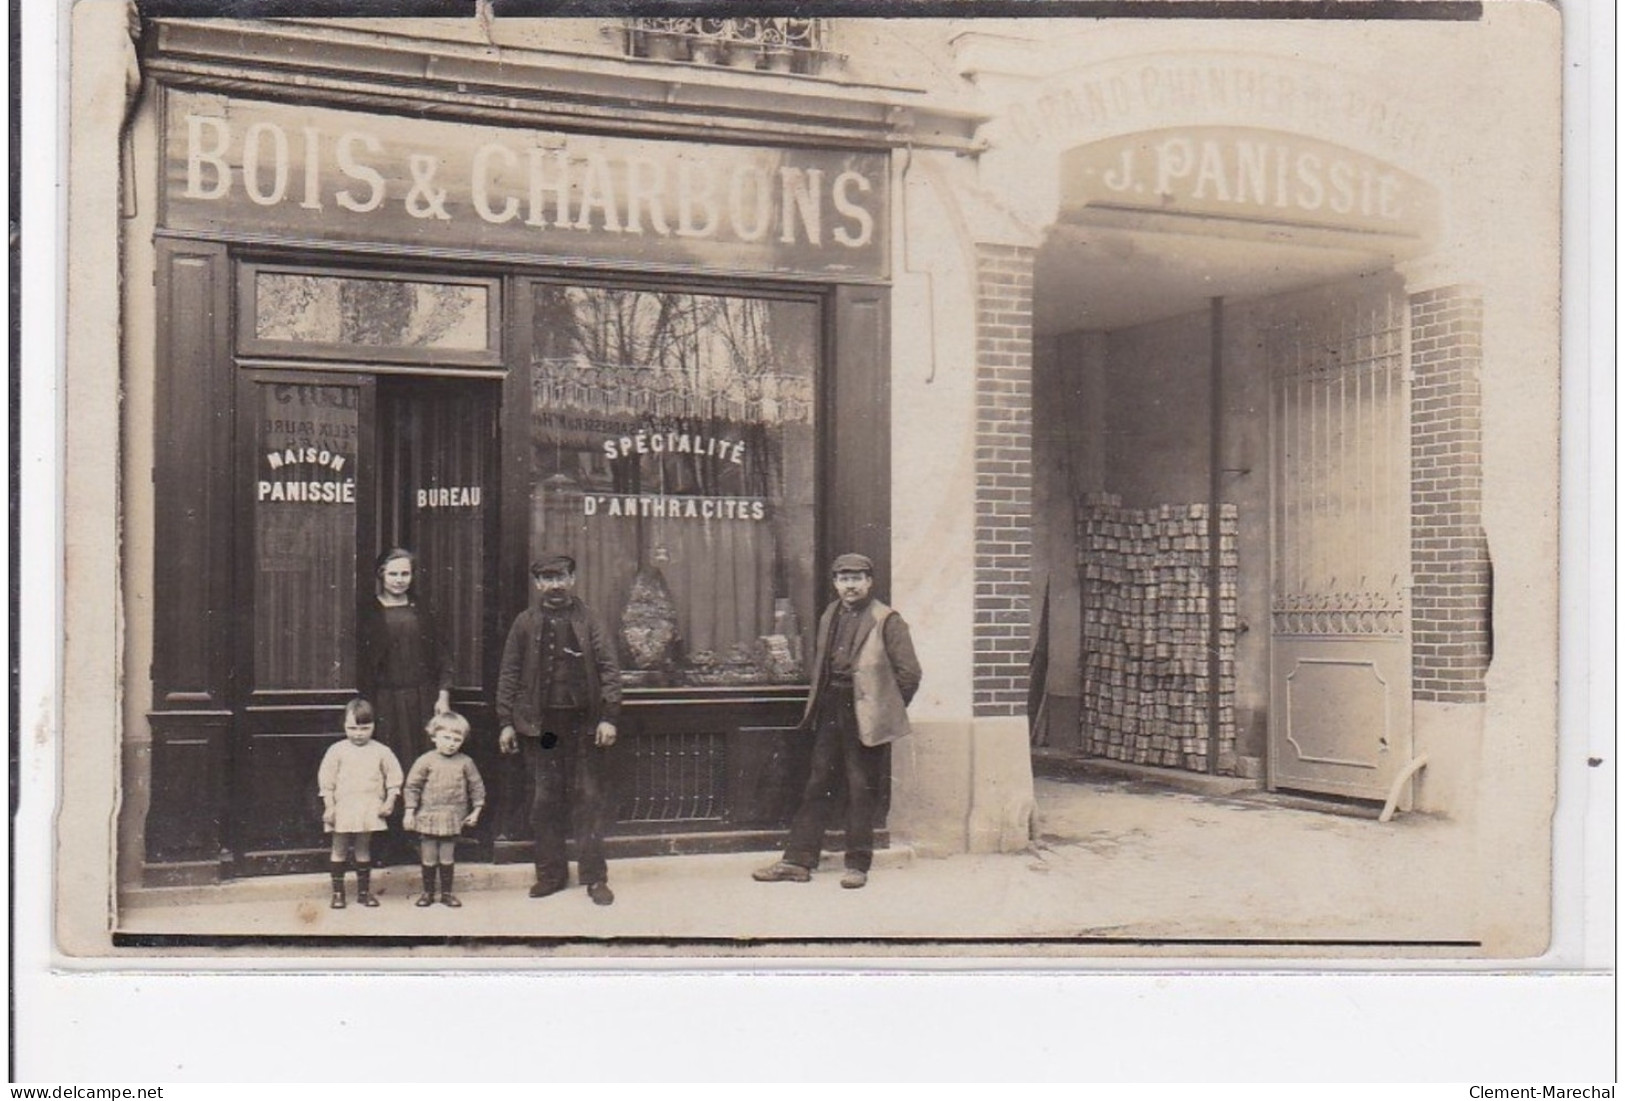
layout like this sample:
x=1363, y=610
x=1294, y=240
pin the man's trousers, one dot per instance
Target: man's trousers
x=570, y=788
x=838, y=751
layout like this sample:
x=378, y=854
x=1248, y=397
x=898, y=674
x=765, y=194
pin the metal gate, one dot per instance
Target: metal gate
x=1340, y=682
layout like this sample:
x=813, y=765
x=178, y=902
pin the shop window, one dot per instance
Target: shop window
x=444, y=321
x=304, y=533
x=673, y=442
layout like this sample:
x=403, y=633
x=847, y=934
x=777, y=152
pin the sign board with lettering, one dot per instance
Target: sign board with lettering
x=277, y=170
x=307, y=445
x=1250, y=175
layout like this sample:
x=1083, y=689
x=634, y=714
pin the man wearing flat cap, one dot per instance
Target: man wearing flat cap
x=558, y=698
x=864, y=675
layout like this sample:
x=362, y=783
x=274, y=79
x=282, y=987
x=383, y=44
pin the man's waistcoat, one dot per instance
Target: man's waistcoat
x=882, y=716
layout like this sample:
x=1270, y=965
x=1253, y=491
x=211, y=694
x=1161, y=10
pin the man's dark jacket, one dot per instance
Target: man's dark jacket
x=519, y=685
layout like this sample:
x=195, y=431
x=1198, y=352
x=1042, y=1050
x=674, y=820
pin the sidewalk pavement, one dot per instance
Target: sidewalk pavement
x=1114, y=859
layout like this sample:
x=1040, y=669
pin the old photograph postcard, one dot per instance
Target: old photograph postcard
x=624, y=487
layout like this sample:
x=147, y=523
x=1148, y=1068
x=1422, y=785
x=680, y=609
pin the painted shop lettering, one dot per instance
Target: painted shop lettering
x=674, y=443
x=300, y=477
x=547, y=189
x=450, y=497
x=314, y=492
x=674, y=508
x=1295, y=97
x=1256, y=173
x=288, y=456
x=322, y=397
x=309, y=430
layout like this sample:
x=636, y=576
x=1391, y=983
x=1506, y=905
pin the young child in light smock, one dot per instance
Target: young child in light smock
x=444, y=795
x=359, y=779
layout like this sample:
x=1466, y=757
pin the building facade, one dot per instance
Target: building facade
x=1160, y=382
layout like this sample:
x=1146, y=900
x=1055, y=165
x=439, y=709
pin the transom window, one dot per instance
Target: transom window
x=333, y=315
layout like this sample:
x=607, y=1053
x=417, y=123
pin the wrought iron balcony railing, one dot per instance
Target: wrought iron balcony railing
x=778, y=45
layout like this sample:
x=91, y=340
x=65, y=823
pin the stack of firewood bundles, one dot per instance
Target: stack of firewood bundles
x=1147, y=580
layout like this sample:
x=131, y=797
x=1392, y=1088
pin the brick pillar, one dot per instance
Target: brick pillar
x=1004, y=533
x=1450, y=598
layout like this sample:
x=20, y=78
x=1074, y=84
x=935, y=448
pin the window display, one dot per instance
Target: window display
x=673, y=444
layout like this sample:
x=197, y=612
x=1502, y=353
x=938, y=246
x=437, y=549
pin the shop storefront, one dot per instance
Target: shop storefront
x=486, y=333
x=1193, y=385
x=1158, y=383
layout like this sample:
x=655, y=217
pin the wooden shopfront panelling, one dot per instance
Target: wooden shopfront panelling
x=191, y=666
x=856, y=499
x=192, y=630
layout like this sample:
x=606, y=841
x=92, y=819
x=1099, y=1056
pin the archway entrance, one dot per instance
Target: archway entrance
x=1221, y=446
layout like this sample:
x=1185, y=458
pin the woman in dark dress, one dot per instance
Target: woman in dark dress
x=403, y=663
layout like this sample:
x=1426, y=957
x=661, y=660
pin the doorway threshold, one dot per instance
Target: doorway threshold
x=1060, y=764
x=1323, y=804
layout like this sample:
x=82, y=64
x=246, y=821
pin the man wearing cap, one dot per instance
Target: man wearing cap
x=864, y=675
x=558, y=697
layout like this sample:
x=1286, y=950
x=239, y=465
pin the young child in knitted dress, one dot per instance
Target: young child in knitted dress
x=359, y=780
x=444, y=795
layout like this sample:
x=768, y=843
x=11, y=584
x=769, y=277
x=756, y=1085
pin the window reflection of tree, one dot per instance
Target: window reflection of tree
x=613, y=362
x=285, y=307
x=371, y=313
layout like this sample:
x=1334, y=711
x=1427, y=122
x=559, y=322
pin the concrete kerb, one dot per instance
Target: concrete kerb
x=405, y=879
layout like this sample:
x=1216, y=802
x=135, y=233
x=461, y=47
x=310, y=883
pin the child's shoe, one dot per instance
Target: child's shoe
x=338, y=902
x=427, y=897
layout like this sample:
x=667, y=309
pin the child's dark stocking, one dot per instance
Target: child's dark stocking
x=429, y=855
x=336, y=870
x=363, y=883
x=447, y=871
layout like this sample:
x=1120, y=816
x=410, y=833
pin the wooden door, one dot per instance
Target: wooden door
x=1340, y=644
x=303, y=468
x=436, y=496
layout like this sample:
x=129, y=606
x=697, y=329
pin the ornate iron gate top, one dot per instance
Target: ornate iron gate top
x=1340, y=413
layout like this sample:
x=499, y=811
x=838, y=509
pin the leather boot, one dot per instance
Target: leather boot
x=427, y=897
x=363, y=885
x=447, y=871
x=336, y=869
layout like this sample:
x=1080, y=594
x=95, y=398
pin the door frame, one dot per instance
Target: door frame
x=473, y=701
